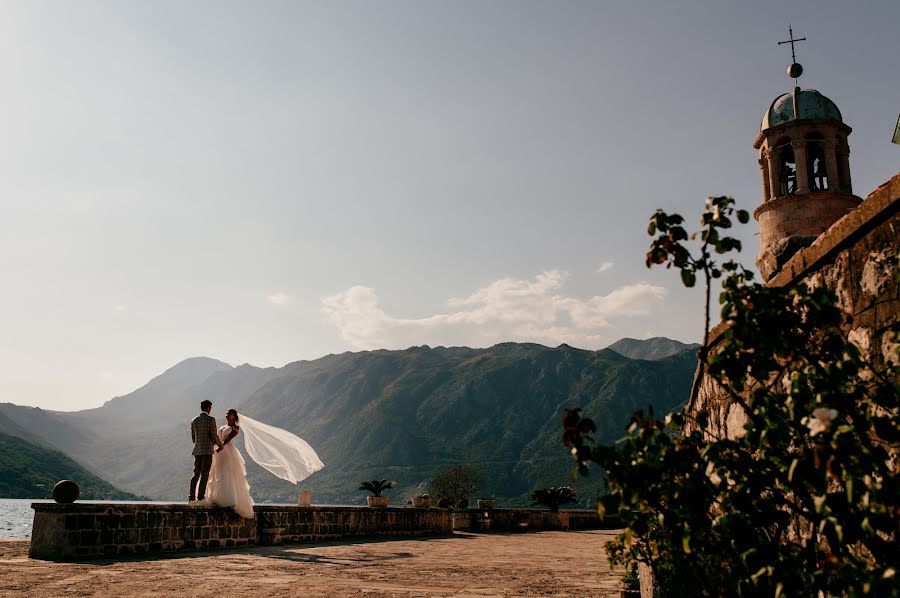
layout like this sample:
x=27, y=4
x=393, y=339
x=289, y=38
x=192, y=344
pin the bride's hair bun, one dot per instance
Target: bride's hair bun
x=234, y=413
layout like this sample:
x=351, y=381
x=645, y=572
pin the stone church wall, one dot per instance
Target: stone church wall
x=857, y=259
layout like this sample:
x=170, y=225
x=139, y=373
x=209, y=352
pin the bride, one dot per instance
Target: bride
x=276, y=450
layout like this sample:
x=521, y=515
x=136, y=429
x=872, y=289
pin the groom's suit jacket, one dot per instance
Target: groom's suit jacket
x=203, y=433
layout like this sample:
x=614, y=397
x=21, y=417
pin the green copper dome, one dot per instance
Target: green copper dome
x=810, y=105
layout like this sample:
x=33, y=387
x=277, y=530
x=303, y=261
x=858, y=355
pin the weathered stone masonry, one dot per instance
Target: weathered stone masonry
x=857, y=259
x=83, y=531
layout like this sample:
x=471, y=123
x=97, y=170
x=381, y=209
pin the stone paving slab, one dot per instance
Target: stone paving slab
x=569, y=563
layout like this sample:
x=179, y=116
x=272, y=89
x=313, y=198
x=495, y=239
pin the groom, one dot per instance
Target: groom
x=203, y=433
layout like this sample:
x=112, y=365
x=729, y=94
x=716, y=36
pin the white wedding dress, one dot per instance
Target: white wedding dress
x=228, y=486
x=278, y=451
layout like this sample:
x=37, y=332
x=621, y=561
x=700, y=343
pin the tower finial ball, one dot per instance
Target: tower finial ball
x=795, y=70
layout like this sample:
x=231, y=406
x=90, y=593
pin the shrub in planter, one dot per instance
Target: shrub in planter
x=553, y=498
x=376, y=487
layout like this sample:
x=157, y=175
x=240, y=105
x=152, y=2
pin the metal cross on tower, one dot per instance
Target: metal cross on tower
x=795, y=70
x=791, y=41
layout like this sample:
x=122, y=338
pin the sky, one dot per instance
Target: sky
x=265, y=182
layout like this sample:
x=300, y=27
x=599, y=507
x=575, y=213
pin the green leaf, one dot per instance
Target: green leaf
x=743, y=216
x=688, y=278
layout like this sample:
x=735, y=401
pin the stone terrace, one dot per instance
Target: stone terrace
x=554, y=563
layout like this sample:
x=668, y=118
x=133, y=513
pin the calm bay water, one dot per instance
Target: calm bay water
x=16, y=517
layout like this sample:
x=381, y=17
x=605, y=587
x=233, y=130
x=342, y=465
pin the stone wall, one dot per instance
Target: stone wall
x=796, y=218
x=88, y=531
x=279, y=525
x=855, y=258
x=522, y=520
x=85, y=530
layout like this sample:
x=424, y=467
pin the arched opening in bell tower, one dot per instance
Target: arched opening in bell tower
x=818, y=172
x=787, y=167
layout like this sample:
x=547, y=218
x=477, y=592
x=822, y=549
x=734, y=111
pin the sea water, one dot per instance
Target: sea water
x=16, y=517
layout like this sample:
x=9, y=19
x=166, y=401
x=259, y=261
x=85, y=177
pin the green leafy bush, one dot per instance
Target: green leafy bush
x=804, y=502
x=456, y=483
x=553, y=498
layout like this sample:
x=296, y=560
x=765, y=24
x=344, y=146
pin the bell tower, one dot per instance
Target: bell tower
x=804, y=160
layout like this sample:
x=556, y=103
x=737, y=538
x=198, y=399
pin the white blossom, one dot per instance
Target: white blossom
x=712, y=475
x=821, y=420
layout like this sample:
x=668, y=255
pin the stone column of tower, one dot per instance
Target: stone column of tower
x=802, y=133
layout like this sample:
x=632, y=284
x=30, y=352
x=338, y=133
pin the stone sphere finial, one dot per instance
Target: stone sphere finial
x=795, y=70
x=66, y=491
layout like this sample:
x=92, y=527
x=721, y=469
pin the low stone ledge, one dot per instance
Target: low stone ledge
x=83, y=531
x=523, y=520
x=284, y=524
x=95, y=530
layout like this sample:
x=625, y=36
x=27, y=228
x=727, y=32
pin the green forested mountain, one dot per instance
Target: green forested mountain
x=398, y=414
x=28, y=470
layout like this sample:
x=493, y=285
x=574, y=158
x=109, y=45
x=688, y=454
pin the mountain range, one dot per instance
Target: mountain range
x=374, y=414
x=657, y=347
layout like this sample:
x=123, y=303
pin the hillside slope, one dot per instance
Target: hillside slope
x=28, y=470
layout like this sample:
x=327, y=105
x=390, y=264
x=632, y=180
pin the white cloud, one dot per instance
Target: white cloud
x=507, y=309
x=606, y=266
x=278, y=299
x=119, y=308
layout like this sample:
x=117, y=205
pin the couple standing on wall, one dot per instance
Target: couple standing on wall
x=220, y=475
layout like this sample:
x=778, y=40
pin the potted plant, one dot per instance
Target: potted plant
x=552, y=498
x=422, y=501
x=485, y=503
x=376, y=487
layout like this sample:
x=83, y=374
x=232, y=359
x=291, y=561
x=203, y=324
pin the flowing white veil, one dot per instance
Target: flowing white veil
x=287, y=456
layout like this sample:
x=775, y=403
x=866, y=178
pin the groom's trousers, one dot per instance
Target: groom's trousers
x=202, y=464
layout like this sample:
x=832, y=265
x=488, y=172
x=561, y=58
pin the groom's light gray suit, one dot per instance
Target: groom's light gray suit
x=203, y=434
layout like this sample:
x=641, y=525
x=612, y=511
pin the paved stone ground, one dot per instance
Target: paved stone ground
x=535, y=564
